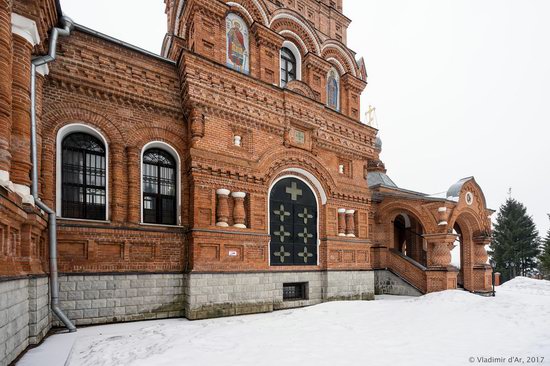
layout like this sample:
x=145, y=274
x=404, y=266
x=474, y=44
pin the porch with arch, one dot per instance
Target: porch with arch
x=417, y=232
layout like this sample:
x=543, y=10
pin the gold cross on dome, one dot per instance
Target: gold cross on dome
x=294, y=191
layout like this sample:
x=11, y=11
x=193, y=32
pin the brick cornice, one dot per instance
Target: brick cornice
x=353, y=83
x=317, y=63
x=98, y=90
x=267, y=37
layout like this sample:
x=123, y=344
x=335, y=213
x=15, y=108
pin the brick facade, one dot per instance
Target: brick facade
x=233, y=133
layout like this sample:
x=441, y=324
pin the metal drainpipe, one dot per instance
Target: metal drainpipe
x=67, y=24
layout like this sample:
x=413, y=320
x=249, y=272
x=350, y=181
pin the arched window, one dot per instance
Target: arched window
x=333, y=90
x=237, y=43
x=288, y=66
x=293, y=223
x=159, y=187
x=83, y=177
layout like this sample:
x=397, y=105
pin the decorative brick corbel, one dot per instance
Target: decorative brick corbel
x=196, y=125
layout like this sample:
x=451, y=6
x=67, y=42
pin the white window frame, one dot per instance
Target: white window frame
x=61, y=134
x=170, y=150
x=297, y=55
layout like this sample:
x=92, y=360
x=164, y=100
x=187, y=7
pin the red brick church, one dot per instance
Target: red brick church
x=231, y=174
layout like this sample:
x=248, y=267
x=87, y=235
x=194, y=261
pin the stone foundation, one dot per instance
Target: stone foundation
x=213, y=295
x=24, y=315
x=387, y=283
x=95, y=299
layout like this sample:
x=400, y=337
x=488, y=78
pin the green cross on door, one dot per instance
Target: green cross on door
x=305, y=254
x=282, y=254
x=282, y=233
x=281, y=212
x=305, y=215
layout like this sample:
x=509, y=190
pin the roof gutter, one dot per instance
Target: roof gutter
x=67, y=25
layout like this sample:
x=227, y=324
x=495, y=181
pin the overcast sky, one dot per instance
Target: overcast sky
x=461, y=87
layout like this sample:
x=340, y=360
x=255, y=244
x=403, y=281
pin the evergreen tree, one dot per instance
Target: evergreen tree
x=515, y=244
x=544, y=258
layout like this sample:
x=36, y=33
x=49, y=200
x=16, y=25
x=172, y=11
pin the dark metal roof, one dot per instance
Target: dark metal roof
x=379, y=178
x=454, y=190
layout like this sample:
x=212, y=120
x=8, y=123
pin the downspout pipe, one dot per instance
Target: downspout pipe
x=67, y=25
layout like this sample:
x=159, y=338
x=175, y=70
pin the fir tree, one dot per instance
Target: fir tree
x=544, y=258
x=515, y=244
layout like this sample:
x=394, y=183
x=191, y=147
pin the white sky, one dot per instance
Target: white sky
x=461, y=87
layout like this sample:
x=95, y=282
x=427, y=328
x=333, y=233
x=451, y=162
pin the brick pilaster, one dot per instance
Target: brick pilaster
x=118, y=199
x=134, y=184
x=21, y=117
x=5, y=85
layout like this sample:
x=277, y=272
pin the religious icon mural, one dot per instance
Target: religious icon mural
x=333, y=89
x=238, y=50
x=293, y=224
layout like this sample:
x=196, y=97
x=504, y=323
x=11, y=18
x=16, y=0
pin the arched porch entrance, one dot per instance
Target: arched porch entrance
x=474, y=271
x=408, y=237
x=457, y=255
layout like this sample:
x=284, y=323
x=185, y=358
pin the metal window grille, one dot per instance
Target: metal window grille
x=83, y=177
x=294, y=291
x=159, y=188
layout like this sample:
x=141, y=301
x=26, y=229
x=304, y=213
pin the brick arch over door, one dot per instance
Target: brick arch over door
x=388, y=211
x=410, y=215
x=281, y=159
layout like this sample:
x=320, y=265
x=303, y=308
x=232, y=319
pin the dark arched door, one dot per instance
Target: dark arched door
x=293, y=224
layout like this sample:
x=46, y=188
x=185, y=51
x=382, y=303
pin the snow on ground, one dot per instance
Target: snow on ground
x=444, y=328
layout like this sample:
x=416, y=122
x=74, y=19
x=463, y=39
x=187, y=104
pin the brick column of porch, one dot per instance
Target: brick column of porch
x=440, y=274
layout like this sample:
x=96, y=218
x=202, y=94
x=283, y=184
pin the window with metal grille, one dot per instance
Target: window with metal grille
x=83, y=177
x=159, y=188
x=288, y=66
x=295, y=291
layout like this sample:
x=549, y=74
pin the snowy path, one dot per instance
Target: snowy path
x=445, y=328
